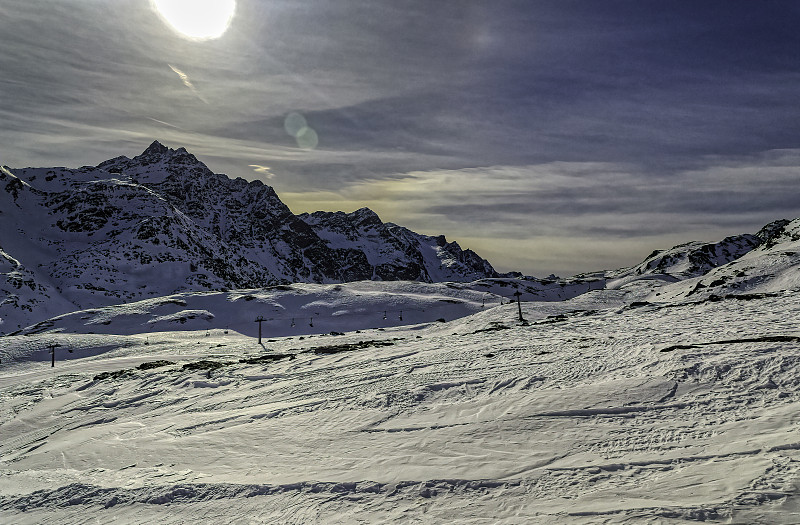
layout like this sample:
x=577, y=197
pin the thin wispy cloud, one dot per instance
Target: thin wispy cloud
x=164, y=123
x=264, y=171
x=512, y=212
x=188, y=83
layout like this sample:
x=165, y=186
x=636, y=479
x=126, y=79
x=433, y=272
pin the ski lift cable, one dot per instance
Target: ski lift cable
x=385, y=315
x=386, y=312
x=318, y=315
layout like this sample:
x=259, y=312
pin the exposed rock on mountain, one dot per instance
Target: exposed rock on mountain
x=696, y=258
x=764, y=262
x=394, y=252
x=771, y=267
x=162, y=222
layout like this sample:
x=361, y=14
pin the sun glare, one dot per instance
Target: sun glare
x=197, y=19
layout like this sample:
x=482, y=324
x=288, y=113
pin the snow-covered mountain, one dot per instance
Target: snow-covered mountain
x=773, y=266
x=693, y=259
x=666, y=392
x=162, y=223
x=396, y=252
x=740, y=264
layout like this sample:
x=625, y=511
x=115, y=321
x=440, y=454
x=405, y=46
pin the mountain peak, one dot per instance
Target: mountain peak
x=770, y=233
x=179, y=160
x=155, y=153
x=156, y=148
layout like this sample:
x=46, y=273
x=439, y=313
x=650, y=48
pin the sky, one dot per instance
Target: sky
x=556, y=136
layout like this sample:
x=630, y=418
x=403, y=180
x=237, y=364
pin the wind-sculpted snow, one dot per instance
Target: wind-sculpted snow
x=604, y=408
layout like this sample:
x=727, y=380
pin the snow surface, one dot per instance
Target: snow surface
x=605, y=408
x=664, y=393
x=304, y=308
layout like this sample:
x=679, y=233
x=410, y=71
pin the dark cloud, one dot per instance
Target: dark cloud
x=657, y=90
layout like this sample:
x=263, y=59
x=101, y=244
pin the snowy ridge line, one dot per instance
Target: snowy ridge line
x=107, y=497
x=759, y=339
x=580, y=412
x=614, y=467
x=720, y=511
x=162, y=223
x=703, y=513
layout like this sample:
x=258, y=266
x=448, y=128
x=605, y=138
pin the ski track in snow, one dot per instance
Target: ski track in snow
x=592, y=412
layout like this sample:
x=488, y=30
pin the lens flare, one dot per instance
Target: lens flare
x=296, y=125
x=307, y=139
x=196, y=19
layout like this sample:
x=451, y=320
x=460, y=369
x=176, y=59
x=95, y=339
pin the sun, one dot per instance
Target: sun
x=196, y=19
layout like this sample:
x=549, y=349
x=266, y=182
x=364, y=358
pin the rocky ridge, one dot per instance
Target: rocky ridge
x=162, y=222
x=395, y=252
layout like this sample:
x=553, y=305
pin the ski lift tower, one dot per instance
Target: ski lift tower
x=52, y=348
x=260, y=319
x=517, y=294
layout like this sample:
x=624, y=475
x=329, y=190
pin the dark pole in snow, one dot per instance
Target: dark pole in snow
x=517, y=294
x=259, y=320
x=53, y=347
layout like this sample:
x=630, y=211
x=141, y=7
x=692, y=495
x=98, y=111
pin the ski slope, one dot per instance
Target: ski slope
x=605, y=408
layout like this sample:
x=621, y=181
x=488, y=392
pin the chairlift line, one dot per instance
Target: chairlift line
x=293, y=320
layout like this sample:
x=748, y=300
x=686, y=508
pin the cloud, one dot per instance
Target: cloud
x=521, y=124
x=164, y=123
x=188, y=83
x=264, y=171
x=588, y=213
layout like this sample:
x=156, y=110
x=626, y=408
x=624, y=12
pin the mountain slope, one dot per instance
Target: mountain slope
x=764, y=262
x=674, y=413
x=772, y=267
x=162, y=223
x=695, y=258
x=396, y=252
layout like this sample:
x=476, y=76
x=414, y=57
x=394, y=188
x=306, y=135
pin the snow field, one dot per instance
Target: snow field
x=592, y=412
x=299, y=309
